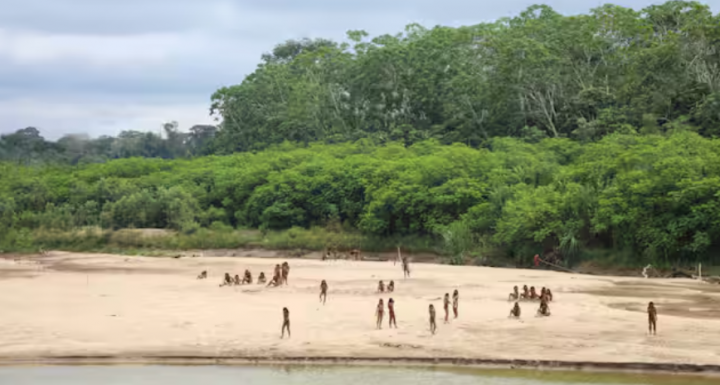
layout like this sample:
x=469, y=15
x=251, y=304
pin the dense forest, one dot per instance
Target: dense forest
x=540, y=74
x=579, y=135
x=537, y=75
x=28, y=147
x=652, y=196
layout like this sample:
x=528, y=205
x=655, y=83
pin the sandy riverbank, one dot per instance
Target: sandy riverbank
x=105, y=305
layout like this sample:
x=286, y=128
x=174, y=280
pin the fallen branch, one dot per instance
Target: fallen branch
x=556, y=266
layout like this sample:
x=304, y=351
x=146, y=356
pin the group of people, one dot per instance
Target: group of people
x=228, y=280
x=280, y=277
x=380, y=311
x=390, y=287
x=331, y=252
x=446, y=305
x=545, y=296
x=531, y=294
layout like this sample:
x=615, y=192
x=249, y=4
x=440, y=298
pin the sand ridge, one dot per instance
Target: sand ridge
x=66, y=304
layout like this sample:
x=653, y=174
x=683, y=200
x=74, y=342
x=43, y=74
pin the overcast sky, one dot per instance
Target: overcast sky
x=101, y=66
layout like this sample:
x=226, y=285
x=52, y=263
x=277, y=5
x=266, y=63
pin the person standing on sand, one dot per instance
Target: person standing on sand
x=652, y=318
x=406, y=267
x=379, y=313
x=433, y=325
x=391, y=313
x=286, y=322
x=536, y=260
x=323, y=291
x=455, y=303
x=446, y=306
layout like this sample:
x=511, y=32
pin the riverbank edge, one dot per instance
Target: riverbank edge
x=291, y=243
x=280, y=253
x=588, y=366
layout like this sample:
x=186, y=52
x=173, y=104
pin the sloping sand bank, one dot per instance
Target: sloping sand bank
x=98, y=307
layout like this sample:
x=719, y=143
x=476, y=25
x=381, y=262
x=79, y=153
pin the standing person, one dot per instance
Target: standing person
x=391, y=313
x=455, y=304
x=379, y=313
x=286, y=322
x=652, y=318
x=323, y=291
x=285, y=271
x=406, y=267
x=537, y=260
x=433, y=325
x=446, y=306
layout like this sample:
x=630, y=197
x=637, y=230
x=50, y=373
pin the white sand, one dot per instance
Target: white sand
x=87, y=304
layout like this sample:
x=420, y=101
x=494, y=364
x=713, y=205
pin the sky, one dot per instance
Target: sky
x=100, y=67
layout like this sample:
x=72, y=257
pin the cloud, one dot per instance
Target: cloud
x=101, y=67
x=191, y=62
x=109, y=17
x=125, y=51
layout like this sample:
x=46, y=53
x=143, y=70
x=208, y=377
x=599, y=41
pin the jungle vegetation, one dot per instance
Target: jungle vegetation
x=592, y=135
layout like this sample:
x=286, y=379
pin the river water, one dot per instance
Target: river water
x=315, y=375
